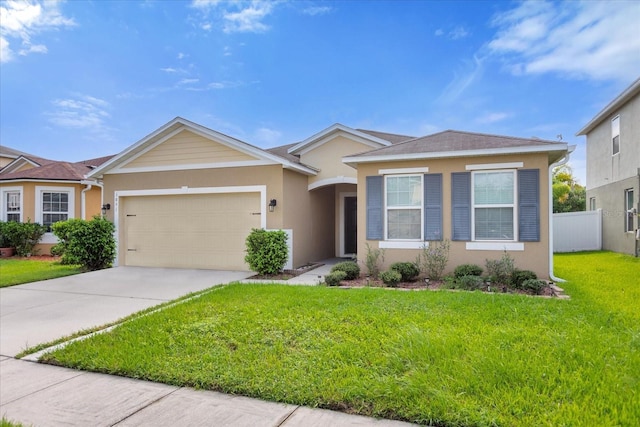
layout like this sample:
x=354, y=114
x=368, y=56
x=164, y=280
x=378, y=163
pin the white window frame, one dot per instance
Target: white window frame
x=628, y=206
x=592, y=203
x=49, y=237
x=615, y=132
x=513, y=205
x=3, y=209
x=420, y=207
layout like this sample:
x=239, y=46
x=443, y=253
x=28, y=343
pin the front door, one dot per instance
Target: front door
x=350, y=225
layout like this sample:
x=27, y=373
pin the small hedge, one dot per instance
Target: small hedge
x=467, y=270
x=334, y=278
x=267, y=251
x=23, y=236
x=518, y=277
x=350, y=268
x=408, y=270
x=88, y=243
x=391, y=278
x=469, y=283
x=533, y=285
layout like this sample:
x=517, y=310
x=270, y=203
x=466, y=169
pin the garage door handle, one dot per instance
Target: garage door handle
x=256, y=213
x=132, y=250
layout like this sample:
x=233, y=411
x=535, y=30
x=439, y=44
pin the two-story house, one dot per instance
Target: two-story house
x=613, y=169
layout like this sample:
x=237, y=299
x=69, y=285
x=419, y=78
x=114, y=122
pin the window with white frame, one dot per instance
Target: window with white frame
x=12, y=206
x=403, y=194
x=55, y=207
x=628, y=207
x=494, y=209
x=592, y=204
x=615, y=134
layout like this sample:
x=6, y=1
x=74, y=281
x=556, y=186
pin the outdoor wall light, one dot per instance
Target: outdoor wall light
x=272, y=205
x=105, y=208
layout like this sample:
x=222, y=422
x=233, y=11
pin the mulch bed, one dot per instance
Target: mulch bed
x=286, y=274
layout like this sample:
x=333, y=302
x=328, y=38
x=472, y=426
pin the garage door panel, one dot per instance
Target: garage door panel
x=189, y=231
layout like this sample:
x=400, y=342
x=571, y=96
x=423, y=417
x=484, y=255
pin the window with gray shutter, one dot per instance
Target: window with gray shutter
x=529, y=205
x=461, y=206
x=433, y=206
x=375, y=208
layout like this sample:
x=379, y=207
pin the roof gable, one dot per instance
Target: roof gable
x=54, y=171
x=207, y=148
x=334, y=131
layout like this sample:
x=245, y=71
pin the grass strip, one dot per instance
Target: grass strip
x=16, y=271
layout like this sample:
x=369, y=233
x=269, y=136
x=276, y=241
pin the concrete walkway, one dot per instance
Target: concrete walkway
x=42, y=395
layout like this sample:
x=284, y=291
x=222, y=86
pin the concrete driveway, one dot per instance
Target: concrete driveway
x=39, y=312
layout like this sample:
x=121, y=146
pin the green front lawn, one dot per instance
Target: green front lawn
x=16, y=271
x=447, y=358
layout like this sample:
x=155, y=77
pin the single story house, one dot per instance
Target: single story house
x=46, y=191
x=188, y=196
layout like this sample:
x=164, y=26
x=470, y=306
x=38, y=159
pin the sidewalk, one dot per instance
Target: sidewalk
x=311, y=277
x=42, y=395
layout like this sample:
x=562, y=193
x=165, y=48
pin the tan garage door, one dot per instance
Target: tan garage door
x=188, y=231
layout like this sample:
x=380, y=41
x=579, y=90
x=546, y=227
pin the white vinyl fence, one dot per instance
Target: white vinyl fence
x=577, y=231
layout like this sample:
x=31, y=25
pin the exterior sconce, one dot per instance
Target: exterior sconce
x=272, y=205
x=105, y=208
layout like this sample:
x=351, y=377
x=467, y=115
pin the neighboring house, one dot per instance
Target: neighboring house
x=613, y=169
x=46, y=191
x=188, y=196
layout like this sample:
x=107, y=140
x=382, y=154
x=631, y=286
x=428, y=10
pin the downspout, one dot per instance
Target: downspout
x=561, y=162
x=83, y=201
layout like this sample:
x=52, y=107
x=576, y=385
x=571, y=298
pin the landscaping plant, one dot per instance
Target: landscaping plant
x=500, y=270
x=434, y=258
x=23, y=236
x=374, y=258
x=334, y=278
x=267, y=251
x=408, y=270
x=350, y=268
x=467, y=270
x=88, y=243
x=391, y=278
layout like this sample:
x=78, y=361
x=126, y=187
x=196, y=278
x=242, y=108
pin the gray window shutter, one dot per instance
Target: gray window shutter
x=461, y=206
x=529, y=205
x=375, y=201
x=433, y=206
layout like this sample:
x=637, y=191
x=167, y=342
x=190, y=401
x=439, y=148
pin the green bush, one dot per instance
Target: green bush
x=518, y=277
x=500, y=271
x=351, y=269
x=23, y=236
x=391, y=278
x=334, y=278
x=469, y=283
x=267, y=251
x=408, y=270
x=434, y=258
x=372, y=261
x=467, y=270
x=88, y=243
x=534, y=286
x=63, y=231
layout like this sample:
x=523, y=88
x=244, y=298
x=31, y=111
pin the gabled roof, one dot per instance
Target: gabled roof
x=54, y=171
x=391, y=137
x=179, y=123
x=451, y=143
x=619, y=101
x=326, y=134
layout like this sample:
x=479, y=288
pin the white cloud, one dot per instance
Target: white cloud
x=458, y=33
x=493, y=117
x=461, y=81
x=188, y=81
x=23, y=20
x=235, y=16
x=439, y=32
x=266, y=136
x=594, y=40
x=316, y=10
x=80, y=112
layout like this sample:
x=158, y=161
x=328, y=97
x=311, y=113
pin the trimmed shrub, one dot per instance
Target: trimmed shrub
x=408, y=270
x=518, y=277
x=534, y=286
x=350, y=268
x=372, y=261
x=467, y=270
x=469, y=283
x=334, y=278
x=23, y=236
x=88, y=243
x=391, y=278
x=63, y=231
x=267, y=251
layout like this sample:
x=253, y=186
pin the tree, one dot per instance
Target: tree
x=568, y=195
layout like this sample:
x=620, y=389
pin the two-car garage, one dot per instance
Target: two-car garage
x=188, y=228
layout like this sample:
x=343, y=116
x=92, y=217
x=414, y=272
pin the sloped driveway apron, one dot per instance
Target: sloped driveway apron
x=43, y=311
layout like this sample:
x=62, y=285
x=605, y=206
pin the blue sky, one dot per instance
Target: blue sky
x=84, y=79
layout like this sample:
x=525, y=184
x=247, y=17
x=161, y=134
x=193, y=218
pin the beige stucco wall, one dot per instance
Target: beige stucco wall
x=187, y=148
x=603, y=168
x=328, y=158
x=535, y=257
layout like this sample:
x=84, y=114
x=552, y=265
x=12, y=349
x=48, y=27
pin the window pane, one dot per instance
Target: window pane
x=615, y=134
x=493, y=188
x=404, y=191
x=629, y=206
x=494, y=223
x=404, y=224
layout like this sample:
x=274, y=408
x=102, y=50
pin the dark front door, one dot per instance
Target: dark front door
x=350, y=225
